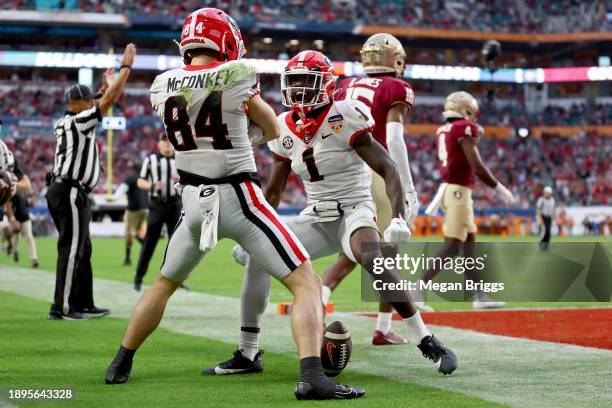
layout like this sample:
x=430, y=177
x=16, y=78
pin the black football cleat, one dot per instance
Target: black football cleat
x=443, y=357
x=127, y=262
x=120, y=370
x=72, y=315
x=237, y=365
x=306, y=391
x=95, y=311
x=137, y=286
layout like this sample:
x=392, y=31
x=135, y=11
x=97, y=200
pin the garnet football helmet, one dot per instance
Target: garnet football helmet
x=212, y=29
x=460, y=105
x=382, y=53
x=308, y=82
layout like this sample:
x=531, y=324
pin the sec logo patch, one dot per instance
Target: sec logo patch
x=457, y=194
x=287, y=142
x=335, y=123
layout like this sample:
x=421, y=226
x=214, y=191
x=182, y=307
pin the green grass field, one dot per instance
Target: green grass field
x=40, y=354
x=218, y=274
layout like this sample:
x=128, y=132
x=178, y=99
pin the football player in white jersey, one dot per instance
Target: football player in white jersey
x=6, y=163
x=330, y=146
x=206, y=108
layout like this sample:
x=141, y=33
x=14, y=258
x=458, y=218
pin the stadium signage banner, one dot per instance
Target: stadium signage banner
x=344, y=68
x=73, y=60
x=506, y=271
x=63, y=18
x=444, y=72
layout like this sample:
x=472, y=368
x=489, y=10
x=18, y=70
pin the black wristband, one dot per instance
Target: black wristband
x=125, y=66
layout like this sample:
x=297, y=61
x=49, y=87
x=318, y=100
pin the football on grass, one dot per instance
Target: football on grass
x=336, y=349
x=5, y=187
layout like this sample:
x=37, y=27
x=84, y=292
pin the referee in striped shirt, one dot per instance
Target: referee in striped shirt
x=75, y=173
x=545, y=212
x=158, y=175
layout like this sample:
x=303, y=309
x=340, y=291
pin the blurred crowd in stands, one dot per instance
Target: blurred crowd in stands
x=578, y=167
x=495, y=15
x=514, y=114
x=35, y=101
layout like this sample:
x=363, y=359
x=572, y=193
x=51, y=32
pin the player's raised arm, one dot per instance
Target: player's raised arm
x=399, y=154
x=470, y=148
x=378, y=159
x=114, y=89
x=264, y=116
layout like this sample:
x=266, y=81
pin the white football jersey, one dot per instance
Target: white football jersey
x=7, y=160
x=203, y=111
x=327, y=163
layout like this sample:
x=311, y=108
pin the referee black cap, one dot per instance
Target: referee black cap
x=77, y=92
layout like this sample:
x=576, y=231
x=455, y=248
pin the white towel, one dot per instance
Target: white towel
x=209, y=208
x=432, y=208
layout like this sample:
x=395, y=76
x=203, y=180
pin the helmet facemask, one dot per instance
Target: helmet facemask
x=304, y=90
x=383, y=54
x=461, y=105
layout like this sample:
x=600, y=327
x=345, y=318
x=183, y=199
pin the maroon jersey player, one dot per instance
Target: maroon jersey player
x=454, y=165
x=380, y=94
x=389, y=98
x=460, y=164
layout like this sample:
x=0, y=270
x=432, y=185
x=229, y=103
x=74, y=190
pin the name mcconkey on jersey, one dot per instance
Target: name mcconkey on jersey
x=207, y=80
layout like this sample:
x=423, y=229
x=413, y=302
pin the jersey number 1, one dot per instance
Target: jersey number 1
x=311, y=165
x=208, y=123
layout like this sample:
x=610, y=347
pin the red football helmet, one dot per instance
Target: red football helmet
x=213, y=29
x=308, y=82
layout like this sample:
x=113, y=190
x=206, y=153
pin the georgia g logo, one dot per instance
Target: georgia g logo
x=207, y=191
x=287, y=142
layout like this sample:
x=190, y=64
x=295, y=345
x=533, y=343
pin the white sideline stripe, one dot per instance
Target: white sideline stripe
x=73, y=249
x=514, y=371
x=6, y=404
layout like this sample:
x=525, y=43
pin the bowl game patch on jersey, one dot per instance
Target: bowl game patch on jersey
x=335, y=123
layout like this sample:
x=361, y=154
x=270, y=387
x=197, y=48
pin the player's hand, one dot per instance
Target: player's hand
x=413, y=205
x=107, y=79
x=397, y=231
x=13, y=188
x=240, y=255
x=128, y=55
x=504, y=193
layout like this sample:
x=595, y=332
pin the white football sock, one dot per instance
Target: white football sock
x=325, y=294
x=249, y=343
x=383, y=323
x=417, y=326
